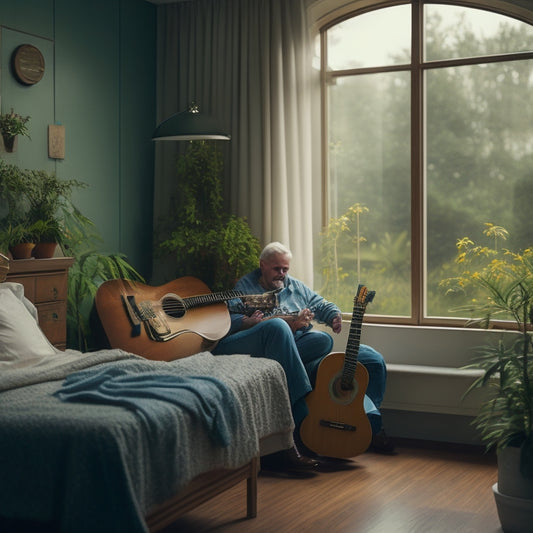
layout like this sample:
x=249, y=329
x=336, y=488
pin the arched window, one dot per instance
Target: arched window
x=428, y=136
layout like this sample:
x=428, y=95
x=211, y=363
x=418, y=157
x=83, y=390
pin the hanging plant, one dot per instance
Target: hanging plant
x=11, y=125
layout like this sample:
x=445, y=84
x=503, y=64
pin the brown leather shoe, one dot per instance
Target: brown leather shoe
x=288, y=461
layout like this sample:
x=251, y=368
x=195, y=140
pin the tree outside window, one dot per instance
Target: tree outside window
x=434, y=149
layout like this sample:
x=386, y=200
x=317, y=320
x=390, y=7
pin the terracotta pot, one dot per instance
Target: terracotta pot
x=44, y=250
x=22, y=250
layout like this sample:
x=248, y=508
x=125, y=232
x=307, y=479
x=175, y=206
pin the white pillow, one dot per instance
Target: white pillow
x=20, y=335
x=18, y=290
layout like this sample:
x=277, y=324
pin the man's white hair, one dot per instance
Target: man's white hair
x=274, y=248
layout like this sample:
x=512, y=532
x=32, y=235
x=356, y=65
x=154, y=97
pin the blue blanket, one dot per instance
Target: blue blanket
x=92, y=466
x=204, y=397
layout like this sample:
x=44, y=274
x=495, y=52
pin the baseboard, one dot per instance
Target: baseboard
x=436, y=427
x=433, y=389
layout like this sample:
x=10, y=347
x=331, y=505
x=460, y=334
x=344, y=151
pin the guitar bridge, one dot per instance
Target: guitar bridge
x=157, y=329
x=337, y=425
x=130, y=307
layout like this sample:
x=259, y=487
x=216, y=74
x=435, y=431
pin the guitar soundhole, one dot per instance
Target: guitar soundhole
x=340, y=392
x=173, y=307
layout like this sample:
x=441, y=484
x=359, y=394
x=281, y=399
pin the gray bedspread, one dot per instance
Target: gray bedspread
x=94, y=467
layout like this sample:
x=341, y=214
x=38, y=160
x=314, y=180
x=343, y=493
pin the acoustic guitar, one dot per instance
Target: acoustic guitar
x=337, y=425
x=170, y=321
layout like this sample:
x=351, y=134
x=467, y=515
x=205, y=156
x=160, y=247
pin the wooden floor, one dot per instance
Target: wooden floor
x=423, y=489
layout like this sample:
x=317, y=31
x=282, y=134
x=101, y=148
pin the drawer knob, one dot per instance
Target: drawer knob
x=55, y=292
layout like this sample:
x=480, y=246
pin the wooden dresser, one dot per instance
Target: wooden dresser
x=45, y=284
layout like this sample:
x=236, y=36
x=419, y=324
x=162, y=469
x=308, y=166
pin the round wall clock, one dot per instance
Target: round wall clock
x=28, y=64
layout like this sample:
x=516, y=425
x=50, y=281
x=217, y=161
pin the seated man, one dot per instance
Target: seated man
x=287, y=337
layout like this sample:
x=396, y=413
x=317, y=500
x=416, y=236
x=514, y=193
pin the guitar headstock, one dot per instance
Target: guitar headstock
x=363, y=296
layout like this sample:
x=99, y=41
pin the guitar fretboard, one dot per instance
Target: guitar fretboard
x=352, y=346
x=176, y=306
x=211, y=298
x=360, y=301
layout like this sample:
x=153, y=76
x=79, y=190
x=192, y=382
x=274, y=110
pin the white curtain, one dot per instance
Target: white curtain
x=248, y=63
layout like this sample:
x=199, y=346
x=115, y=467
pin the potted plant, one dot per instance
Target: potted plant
x=12, y=187
x=48, y=234
x=15, y=226
x=41, y=199
x=90, y=269
x=204, y=240
x=504, y=283
x=49, y=200
x=19, y=239
x=11, y=125
x=36, y=206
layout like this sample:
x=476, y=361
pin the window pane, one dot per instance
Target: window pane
x=377, y=38
x=458, y=32
x=479, y=163
x=369, y=173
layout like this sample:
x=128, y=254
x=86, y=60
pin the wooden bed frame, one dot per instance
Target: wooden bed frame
x=202, y=489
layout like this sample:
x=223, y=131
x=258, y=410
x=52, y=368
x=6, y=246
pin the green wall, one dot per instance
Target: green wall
x=99, y=83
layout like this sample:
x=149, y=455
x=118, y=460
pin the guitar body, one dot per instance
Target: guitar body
x=197, y=330
x=337, y=425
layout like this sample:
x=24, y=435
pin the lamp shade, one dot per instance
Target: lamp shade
x=189, y=125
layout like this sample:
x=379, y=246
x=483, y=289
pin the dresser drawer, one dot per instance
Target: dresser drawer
x=53, y=321
x=49, y=288
x=45, y=284
x=43, y=288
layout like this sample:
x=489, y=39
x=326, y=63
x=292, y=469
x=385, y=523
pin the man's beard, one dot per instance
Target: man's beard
x=278, y=283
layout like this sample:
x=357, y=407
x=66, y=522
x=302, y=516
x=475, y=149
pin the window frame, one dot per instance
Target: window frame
x=417, y=69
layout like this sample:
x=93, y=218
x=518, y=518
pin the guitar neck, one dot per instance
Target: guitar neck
x=211, y=298
x=352, y=346
x=267, y=300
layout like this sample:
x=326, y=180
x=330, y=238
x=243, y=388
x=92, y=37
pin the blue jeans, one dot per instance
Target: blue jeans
x=273, y=339
x=300, y=355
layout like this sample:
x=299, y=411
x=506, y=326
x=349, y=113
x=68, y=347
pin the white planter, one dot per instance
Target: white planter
x=510, y=481
x=513, y=493
x=515, y=514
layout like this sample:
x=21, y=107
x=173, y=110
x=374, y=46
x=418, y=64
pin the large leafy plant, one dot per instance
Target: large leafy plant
x=35, y=200
x=90, y=269
x=503, y=281
x=204, y=240
x=37, y=205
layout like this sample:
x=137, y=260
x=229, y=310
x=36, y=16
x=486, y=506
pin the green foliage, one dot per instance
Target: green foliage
x=90, y=269
x=15, y=234
x=476, y=164
x=206, y=242
x=39, y=208
x=345, y=227
x=346, y=263
x=37, y=200
x=12, y=186
x=504, y=280
x=12, y=124
x=49, y=198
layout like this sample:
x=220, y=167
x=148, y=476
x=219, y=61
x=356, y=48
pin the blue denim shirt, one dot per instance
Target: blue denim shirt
x=294, y=297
